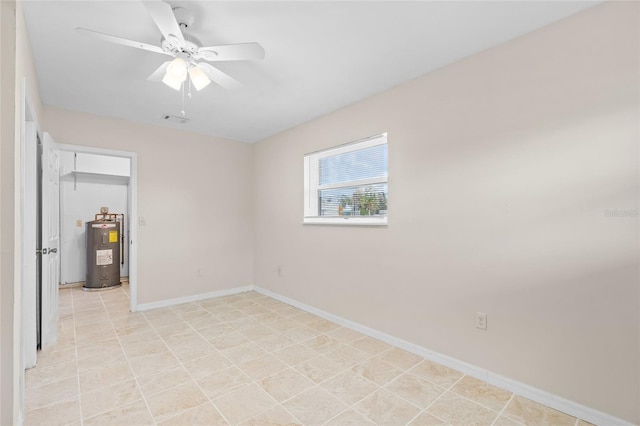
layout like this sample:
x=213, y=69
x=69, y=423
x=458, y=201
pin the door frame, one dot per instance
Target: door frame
x=28, y=290
x=132, y=213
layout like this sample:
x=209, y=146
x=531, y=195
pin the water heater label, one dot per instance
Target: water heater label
x=113, y=236
x=104, y=257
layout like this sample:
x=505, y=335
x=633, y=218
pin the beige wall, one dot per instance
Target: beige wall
x=17, y=66
x=502, y=169
x=194, y=193
x=7, y=211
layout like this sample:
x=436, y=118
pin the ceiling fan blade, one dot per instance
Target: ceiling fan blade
x=219, y=77
x=122, y=41
x=159, y=73
x=232, y=52
x=162, y=15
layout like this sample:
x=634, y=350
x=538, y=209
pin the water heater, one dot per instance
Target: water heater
x=103, y=255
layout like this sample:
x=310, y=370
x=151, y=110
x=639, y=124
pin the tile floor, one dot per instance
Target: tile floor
x=246, y=359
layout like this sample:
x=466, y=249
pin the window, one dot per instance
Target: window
x=347, y=185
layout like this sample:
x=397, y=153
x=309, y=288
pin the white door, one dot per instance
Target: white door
x=50, y=239
x=29, y=235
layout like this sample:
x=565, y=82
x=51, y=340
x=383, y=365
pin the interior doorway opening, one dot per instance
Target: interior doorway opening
x=95, y=182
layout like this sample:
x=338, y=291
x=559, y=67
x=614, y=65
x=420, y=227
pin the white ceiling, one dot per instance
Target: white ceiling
x=320, y=56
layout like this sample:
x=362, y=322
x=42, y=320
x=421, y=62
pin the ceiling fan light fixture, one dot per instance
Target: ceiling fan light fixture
x=198, y=78
x=176, y=73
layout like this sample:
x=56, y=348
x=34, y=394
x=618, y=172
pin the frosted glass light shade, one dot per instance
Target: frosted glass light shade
x=176, y=73
x=198, y=78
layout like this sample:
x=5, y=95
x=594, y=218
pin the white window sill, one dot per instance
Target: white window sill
x=346, y=221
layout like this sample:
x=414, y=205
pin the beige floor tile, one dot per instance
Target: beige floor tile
x=243, y=353
x=525, y=411
x=141, y=349
x=323, y=325
x=63, y=390
x=295, y=354
x=51, y=356
x=175, y=401
x=103, y=348
x=314, y=406
x=426, y=419
x=583, y=423
x=323, y=343
x=370, y=345
x=144, y=366
x=174, y=329
x=61, y=413
x=506, y=421
x=266, y=317
x=135, y=413
x=215, y=331
x=188, y=345
x=244, y=403
x=40, y=376
x=288, y=311
x=349, y=418
x=347, y=356
x=482, y=392
x=197, y=314
x=283, y=324
x=385, y=408
x=86, y=365
x=276, y=416
x=228, y=340
x=258, y=331
x=203, y=322
x=416, y=390
x=206, y=365
x=245, y=322
x=345, y=334
x=349, y=387
x=262, y=367
x=300, y=334
x=144, y=335
x=457, y=410
x=319, y=369
x=306, y=318
x=377, y=371
x=400, y=358
x=162, y=317
x=107, y=375
x=285, y=384
x=163, y=380
x=274, y=342
x=108, y=398
x=436, y=373
x=202, y=415
x=223, y=382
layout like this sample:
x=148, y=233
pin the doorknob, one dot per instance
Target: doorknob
x=53, y=250
x=44, y=250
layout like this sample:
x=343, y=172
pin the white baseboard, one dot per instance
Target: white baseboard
x=194, y=298
x=564, y=405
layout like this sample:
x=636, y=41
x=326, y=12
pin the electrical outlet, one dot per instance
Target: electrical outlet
x=481, y=320
x=199, y=273
x=79, y=223
x=142, y=221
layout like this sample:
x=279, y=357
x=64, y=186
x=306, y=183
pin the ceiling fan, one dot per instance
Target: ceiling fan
x=185, y=49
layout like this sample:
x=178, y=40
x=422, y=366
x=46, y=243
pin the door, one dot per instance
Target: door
x=50, y=239
x=29, y=244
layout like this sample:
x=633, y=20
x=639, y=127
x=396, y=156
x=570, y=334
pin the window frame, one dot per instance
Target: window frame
x=312, y=185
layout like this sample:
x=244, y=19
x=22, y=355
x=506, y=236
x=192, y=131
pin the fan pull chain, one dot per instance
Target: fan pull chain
x=184, y=114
